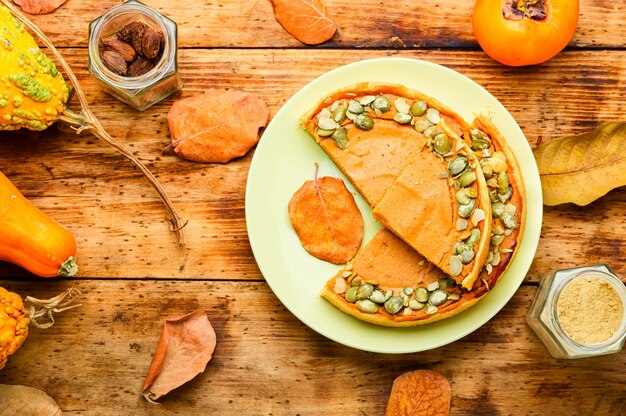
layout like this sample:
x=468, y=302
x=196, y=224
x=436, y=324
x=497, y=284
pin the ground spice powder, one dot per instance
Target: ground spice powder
x=589, y=310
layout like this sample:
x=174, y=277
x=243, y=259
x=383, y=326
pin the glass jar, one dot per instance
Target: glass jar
x=145, y=90
x=543, y=314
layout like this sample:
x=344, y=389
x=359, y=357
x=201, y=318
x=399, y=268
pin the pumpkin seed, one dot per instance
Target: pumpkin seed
x=340, y=286
x=438, y=297
x=364, y=122
x=367, y=100
x=471, y=192
x=503, y=183
x=365, y=291
x=467, y=256
x=487, y=171
x=460, y=247
x=421, y=294
x=381, y=104
x=350, y=116
x=339, y=114
x=388, y=294
x=432, y=115
x=500, y=155
x=325, y=113
x=497, y=230
x=454, y=296
x=493, y=195
x=415, y=305
x=401, y=105
x=418, y=108
x=402, y=118
x=346, y=274
x=457, y=165
x=431, y=132
x=496, y=240
x=473, y=238
x=356, y=281
x=355, y=108
x=456, y=266
x=394, y=304
x=461, y=224
x=433, y=286
x=334, y=105
x=508, y=232
x=421, y=125
x=442, y=144
x=467, y=178
x=446, y=283
x=340, y=136
x=486, y=153
x=377, y=297
x=496, y=259
x=479, y=144
x=496, y=165
x=325, y=133
x=489, y=257
x=478, y=216
x=510, y=208
x=430, y=309
x=466, y=210
x=505, y=197
x=405, y=300
x=351, y=294
x=408, y=291
x=497, y=209
x=462, y=197
x=367, y=306
x=509, y=221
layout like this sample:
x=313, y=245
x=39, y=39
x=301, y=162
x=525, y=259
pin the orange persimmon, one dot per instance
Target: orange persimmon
x=524, y=32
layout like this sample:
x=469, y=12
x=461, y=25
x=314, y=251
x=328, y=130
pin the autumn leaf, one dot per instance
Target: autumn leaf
x=305, y=20
x=185, y=347
x=580, y=169
x=420, y=393
x=327, y=220
x=26, y=401
x=39, y=6
x=216, y=126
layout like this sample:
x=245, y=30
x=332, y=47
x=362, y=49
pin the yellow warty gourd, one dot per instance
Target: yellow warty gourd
x=32, y=91
x=13, y=324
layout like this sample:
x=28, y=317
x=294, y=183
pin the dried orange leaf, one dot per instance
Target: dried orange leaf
x=185, y=347
x=26, y=401
x=217, y=126
x=39, y=6
x=327, y=220
x=580, y=169
x=422, y=392
x=305, y=20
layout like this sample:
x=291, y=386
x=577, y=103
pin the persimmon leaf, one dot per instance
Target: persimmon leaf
x=185, y=348
x=305, y=20
x=421, y=392
x=39, y=6
x=327, y=220
x=580, y=169
x=26, y=401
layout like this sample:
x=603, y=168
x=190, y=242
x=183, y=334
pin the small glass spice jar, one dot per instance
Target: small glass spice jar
x=546, y=312
x=145, y=90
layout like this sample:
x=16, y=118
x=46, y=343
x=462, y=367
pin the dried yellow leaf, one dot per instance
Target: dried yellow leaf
x=581, y=169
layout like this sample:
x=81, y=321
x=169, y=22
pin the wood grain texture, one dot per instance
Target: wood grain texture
x=94, y=361
x=118, y=219
x=399, y=24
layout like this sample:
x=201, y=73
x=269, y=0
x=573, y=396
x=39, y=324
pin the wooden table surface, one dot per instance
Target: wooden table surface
x=133, y=275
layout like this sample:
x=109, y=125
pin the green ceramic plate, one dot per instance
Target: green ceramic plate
x=285, y=159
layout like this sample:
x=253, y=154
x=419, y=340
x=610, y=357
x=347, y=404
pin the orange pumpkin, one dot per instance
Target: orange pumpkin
x=524, y=32
x=31, y=239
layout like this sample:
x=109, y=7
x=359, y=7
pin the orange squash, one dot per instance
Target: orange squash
x=31, y=239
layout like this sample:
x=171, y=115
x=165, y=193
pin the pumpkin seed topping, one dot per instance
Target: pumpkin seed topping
x=340, y=136
x=402, y=118
x=474, y=237
x=442, y=144
x=377, y=297
x=356, y=281
x=509, y=221
x=496, y=240
x=401, y=105
x=350, y=115
x=419, y=108
x=456, y=266
x=325, y=133
x=457, y=165
x=340, y=286
x=339, y=114
x=467, y=256
x=421, y=294
x=367, y=100
x=432, y=115
x=438, y=297
x=364, y=122
x=478, y=216
x=467, y=209
x=365, y=291
x=324, y=113
x=381, y=104
x=421, y=125
x=327, y=124
x=497, y=209
x=351, y=294
x=415, y=305
x=355, y=108
x=367, y=306
x=506, y=196
x=462, y=197
x=467, y=178
x=433, y=286
x=454, y=296
x=388, y=294
x=430, y=309
x=461, y=224
x=394, y=304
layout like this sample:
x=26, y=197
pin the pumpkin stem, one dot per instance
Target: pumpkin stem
x=69, y=268
x=86, y=120
x=48, y=307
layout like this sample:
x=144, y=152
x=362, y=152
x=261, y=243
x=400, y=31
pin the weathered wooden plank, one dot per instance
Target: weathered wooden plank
x=118, y=219
x=94, y=360
x=370, y=23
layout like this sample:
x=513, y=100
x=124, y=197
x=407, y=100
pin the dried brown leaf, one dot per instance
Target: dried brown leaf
x=217, y=126
x=327, y=220
x=39, y=6
x=26, y=401
x=305, y=20
x=580, y=169
x=185, y=347
x=420, y=393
